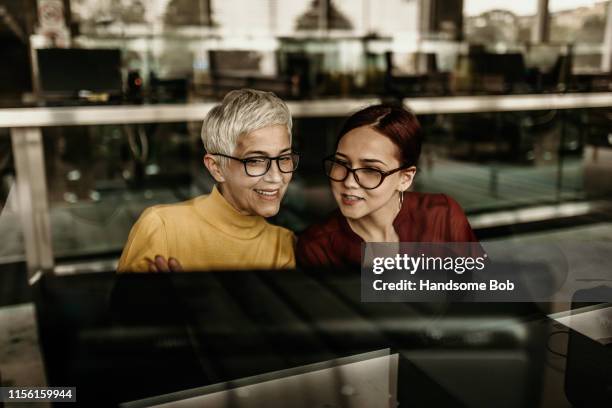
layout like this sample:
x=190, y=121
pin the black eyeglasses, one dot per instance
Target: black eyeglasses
x=366, y=177
x=259, y=165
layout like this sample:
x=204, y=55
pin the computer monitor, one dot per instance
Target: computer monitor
x=15, y=71
x=66, y=72
x=144, y=335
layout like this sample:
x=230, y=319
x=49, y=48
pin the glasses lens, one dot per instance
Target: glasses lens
x=288, y=163
x=368, y=178
x=335, y=170
x=257, y=166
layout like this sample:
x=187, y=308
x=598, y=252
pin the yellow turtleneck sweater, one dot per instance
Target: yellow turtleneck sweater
x=207, y=233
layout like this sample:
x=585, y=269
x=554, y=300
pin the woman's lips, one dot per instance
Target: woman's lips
x=349, y=199
x=268, y=195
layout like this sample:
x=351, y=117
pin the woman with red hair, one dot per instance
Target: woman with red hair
x=370, y=173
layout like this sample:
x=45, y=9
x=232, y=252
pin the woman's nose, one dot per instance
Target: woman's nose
x=273, y=175
x=350, y=181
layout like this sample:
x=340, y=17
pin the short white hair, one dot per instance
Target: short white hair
x=240, y=113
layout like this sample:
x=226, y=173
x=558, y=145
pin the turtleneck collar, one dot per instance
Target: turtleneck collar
x=215, y=209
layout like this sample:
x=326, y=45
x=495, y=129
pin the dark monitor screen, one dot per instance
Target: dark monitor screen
x=144, y=335
x=72, y=70
x=16, y=74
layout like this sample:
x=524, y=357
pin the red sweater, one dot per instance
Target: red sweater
x=423, y=218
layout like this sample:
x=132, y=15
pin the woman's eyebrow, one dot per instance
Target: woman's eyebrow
x=372, y=161
x=362, y=161
x=367, y=161
x=262, y=153
x=255, y=152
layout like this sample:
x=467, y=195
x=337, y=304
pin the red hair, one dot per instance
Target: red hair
x=396, y=123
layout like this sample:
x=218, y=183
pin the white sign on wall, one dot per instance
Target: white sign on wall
x=51, y=22
x=51, y=14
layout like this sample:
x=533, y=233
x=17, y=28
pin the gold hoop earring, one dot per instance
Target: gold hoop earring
x=401, y=199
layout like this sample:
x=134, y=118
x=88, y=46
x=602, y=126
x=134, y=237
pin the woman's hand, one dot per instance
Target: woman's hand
x=159, y=264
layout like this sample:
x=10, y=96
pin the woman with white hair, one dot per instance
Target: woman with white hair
x=247, y=139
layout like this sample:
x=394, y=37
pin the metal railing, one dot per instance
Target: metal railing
x=120, y=114
x=25, y=126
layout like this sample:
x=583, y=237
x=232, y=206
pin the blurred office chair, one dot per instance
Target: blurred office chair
x=483, y=72
x=234, y=69
x=414, y=74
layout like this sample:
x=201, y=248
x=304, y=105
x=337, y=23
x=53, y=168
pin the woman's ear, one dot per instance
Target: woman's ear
x=406, y=178
x=214, y=168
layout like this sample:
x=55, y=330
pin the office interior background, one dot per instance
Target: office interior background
x=101, y=103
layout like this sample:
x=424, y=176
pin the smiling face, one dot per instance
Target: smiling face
x=259, y=195
x=365, y=147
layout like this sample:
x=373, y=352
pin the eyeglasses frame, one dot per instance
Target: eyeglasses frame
x=383, y=174
x=270, y=160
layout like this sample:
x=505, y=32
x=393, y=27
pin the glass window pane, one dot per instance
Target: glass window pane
x=499, y=22
x=100, y=178
x=581, y=23
x=520, y=8
x=12, y=248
